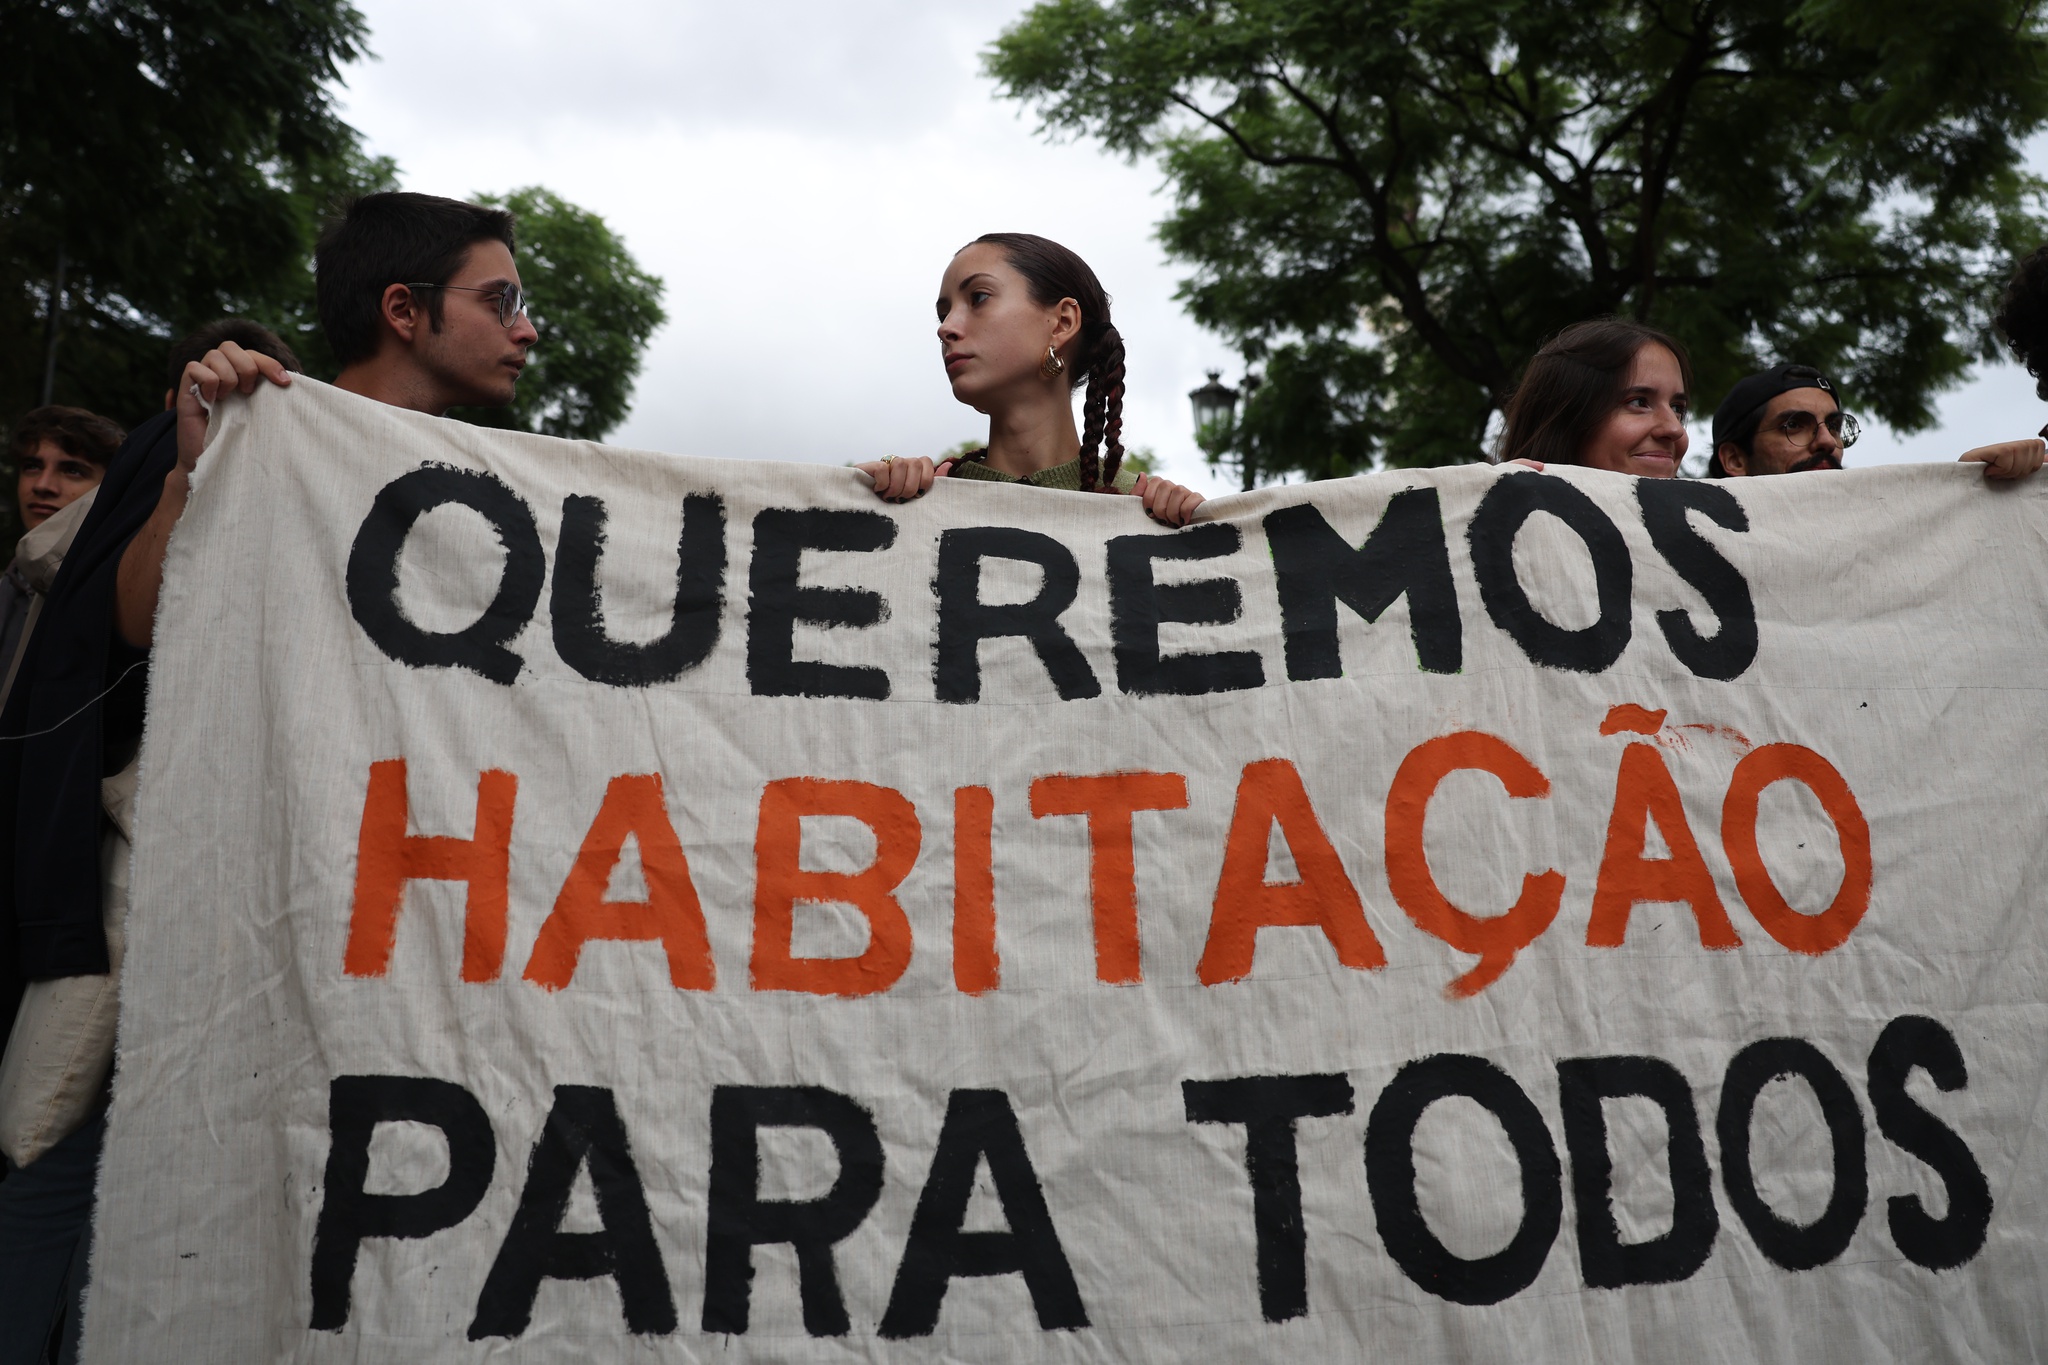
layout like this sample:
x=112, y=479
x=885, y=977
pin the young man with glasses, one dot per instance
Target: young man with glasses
x=420, y=299
x=1785, y=420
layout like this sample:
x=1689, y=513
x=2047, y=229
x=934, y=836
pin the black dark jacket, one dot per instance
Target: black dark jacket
x=50, y=910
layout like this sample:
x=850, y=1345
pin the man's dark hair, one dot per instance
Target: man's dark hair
x=1573, y=383
x=85, y=435
x=250, y=336
x=2023, y=315
x=393, y=238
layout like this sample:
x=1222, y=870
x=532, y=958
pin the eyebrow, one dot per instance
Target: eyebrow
x=1634, y=389
x=962, y=284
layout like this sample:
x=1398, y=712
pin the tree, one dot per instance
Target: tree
x=160, y=164
x=594, y=308
x=1391, y=205
x=164, y=163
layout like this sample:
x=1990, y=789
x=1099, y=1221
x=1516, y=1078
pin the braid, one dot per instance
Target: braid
x=1102, y=411
x=1109, y=374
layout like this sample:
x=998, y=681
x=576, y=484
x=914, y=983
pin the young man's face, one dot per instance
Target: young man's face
x=1773, y=450
x=52, y=478
x=474, y=358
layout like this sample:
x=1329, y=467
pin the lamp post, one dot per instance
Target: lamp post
x=1215, y=405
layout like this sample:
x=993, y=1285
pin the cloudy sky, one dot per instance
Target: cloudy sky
x=799, y=172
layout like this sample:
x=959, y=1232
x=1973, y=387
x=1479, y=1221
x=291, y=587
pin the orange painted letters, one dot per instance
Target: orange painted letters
x=1246, y=902
x=1644, y=791
x=632, y=808
x=1109, y=801
x=780, y=883
x=1496, y=940
x=387, y=858
x=976, y=967
x=1801, y=933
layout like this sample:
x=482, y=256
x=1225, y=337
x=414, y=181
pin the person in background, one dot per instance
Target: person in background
x=1787, y=420
x=1023, y=322
x=2023, y=317
x=1608, y=394
x=60, y=455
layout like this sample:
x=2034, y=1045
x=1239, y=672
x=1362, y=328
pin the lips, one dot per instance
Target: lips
x=955, y=359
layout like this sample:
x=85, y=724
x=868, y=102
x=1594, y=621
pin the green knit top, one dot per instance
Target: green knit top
x=1067, y=476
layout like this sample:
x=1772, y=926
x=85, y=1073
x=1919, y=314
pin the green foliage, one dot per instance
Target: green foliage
x=172, y=153
x=594, y=308
x=182, y=155
x=1389, y=206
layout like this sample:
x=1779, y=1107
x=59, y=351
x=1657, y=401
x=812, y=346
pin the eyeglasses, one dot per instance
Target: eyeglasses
x=511, y=299
x=1799, y=427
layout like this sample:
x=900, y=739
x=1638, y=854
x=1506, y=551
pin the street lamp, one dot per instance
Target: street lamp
x=1215, y=403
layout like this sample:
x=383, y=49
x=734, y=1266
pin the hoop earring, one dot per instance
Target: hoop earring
x=1052, y=367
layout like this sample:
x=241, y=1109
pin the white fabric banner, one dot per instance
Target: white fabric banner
x=597, y=904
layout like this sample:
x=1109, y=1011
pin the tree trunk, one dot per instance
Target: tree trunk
x=52, y=324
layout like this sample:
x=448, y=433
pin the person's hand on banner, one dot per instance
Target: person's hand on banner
x=228, y=369
x=900, y=480
x=2008, y=459
x=1167, y=502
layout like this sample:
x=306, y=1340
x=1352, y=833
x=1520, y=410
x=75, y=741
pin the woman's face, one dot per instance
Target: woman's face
x=1645, y=434
x=51, y=478
x=993, y=334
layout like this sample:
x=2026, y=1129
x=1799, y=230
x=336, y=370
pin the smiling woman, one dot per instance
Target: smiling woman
x=1608, y=394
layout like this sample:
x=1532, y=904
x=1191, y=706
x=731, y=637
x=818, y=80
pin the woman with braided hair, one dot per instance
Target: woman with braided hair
x=1023, y=322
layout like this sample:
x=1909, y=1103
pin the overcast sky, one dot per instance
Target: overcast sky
x=799, y=172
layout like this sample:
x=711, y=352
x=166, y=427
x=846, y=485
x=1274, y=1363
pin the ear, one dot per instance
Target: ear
x=1734, y=459
x=1066, y=323
x=401, y=311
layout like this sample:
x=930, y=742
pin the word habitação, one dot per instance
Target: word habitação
x=1270, y=794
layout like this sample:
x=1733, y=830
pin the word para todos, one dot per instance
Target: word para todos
x=585, y=1132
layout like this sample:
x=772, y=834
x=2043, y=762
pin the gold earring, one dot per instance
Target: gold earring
x=1052, y=367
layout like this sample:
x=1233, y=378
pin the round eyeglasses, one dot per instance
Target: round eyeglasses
x=512, y=300
x=1799, y=427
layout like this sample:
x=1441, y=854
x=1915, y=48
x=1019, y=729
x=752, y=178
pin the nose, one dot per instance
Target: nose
x=1825, y=442
x=524, y=333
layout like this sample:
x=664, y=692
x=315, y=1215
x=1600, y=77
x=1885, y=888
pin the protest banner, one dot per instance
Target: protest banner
x=591, y=903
